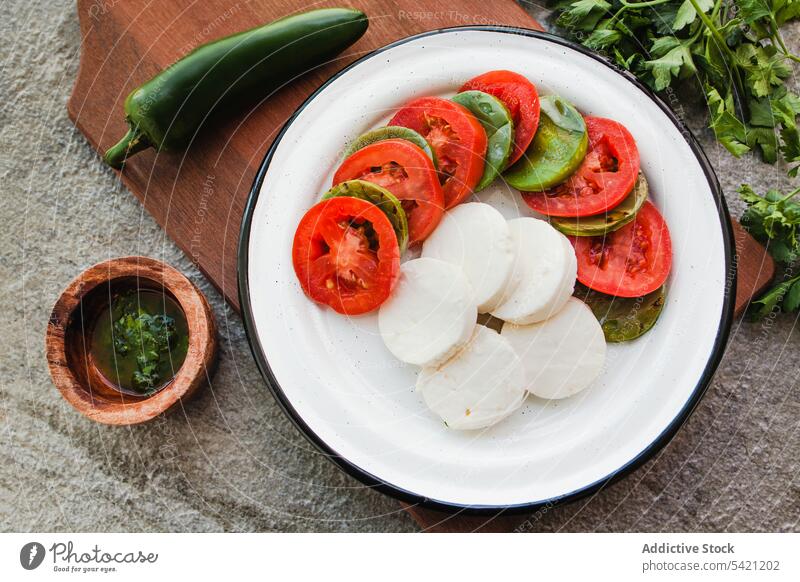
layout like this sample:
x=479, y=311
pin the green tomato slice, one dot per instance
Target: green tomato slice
x=496, y=121
x=557, y=149
x=610, y=221
x=381, y=198
x=623, y=318
x=390, y=132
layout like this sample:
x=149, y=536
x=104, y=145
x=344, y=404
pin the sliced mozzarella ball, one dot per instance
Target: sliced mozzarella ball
x=475, y=237
x=430, y=314
x=562, y=355
x=543, y=275
x=479, y=386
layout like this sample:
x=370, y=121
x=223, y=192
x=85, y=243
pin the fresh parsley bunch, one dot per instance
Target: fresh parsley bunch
x=732, y=49
x=774, y=219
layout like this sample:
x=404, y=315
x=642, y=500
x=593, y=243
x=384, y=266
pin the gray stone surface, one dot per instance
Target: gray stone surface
x=230, y=460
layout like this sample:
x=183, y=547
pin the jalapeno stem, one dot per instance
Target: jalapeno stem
x=133, y=141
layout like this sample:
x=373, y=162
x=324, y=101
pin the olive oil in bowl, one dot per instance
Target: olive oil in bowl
x=139, y=341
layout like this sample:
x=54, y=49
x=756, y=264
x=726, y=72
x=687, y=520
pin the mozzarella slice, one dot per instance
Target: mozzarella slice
x=430, y=314
x=562, y=355
x=543, y=275
x=479, y=386
x=475, y=237
x=571, y=272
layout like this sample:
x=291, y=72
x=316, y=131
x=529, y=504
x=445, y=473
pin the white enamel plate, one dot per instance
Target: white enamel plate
x=350, y=397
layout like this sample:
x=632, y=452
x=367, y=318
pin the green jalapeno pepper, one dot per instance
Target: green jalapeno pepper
x=167, y=111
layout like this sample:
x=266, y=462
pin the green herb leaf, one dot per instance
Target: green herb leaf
x=791, y=300
x=753, y=10
x=687, y=14
x=584, y=14
x=786, y=10
x=763, y=66
x=602, y=38
x=785, y=296
x=773, y=219
x=761, y=113
x=148, y=336
x=728, y=129
x=735, y=53
x=678, y=62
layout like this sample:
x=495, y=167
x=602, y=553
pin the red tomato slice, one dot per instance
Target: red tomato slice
x=602, y=181
x=520, y=98
x=345, y=255
x=629, y=262
x=456, y=137
x=407, y=172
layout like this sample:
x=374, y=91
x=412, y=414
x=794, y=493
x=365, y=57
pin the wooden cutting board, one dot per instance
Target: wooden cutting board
x=199, y=197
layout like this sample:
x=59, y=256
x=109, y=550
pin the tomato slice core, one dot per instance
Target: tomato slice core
x=602, y=181
x=456, y=137
x=630, y=262
x=345, y=255
x=406, y=171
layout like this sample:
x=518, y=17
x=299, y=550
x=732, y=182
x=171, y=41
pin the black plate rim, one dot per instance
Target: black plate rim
x=402, y=494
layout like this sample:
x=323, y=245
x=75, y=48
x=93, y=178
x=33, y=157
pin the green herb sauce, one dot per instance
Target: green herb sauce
x=139, y=341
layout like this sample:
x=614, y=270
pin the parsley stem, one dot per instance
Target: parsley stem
x=616, y=15
x=777, y=36
x=642, y=4
x=722, y=45
x=790, y=195
x=700, y=29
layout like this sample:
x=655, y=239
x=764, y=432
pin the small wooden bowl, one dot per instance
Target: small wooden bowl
x=70, y=326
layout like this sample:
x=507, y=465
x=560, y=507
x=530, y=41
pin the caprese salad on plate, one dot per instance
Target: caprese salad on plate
x=490, y=310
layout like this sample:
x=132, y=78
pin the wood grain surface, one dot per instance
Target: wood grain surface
x=198, y=196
